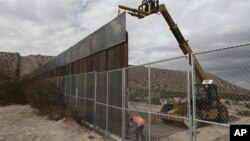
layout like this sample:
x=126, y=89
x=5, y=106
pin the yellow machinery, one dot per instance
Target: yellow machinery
x=208, y=104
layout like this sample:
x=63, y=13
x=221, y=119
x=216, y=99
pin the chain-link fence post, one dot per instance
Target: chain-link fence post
x=95, y=90
x=123, y=102
x=149, y=103
x=107, y=102
x=190, y=101
x=193, y=98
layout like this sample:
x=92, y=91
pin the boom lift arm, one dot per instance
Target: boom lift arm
x=152, y=7
x=209, y=108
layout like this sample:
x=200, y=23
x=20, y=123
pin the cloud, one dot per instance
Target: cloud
x=38, y=27
x=231, y=64
x=51, y=26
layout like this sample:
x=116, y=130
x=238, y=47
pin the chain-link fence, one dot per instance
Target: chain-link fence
x=175, y=102
x=228, y=98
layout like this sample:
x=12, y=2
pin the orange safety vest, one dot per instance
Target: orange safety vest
x=139, y=121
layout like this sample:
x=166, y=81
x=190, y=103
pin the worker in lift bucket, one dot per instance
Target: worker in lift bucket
x=139, y=123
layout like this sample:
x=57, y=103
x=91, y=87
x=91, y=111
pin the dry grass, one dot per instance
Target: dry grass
x=42, y=95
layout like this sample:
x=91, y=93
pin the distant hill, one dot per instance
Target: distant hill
x=163, y=82
x=32, y=62
x=173, y=82
x=8, y=65
x=13, y=65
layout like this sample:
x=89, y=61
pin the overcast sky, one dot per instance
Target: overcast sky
x=49, y=27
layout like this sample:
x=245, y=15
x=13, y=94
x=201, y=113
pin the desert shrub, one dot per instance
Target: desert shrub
x=247, y=105
x=244, y=113
x=170, y=94
x=235, y=97
x=44, y=96
x=155, y=100
x=132, y=97
x=136, y=98
x=12, y=92
x=227, y=102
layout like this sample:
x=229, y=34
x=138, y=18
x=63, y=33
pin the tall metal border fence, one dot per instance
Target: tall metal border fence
x=105, y=49
x=160, y=92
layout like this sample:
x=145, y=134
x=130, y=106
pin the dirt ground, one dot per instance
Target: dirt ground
x=206, y=132
x=20, y=123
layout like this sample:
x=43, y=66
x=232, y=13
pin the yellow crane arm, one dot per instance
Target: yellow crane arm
x=183, y=44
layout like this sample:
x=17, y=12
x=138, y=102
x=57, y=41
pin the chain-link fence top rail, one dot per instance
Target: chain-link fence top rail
x=229, y=69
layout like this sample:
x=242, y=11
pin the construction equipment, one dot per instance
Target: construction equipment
x=208, y=106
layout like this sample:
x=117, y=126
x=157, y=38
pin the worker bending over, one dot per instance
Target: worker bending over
x=139, y=122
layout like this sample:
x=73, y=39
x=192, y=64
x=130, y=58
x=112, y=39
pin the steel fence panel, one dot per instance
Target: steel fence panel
x=67, y=91
x=101, y=96
x=101, y=101
x=73, y=90
x=51, y=65
x=81, y=49
x=115, y=121
x=115, y=32
x=90, y=85
x=100, y=118
x=81, y=96
x=89, y=97
x=60, y=59
x=68, y=56
x=61, y=85
x=89, y=111
x=109, y=35
x=115, y=102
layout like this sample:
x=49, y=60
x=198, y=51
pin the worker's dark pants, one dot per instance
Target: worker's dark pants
x=139, y=132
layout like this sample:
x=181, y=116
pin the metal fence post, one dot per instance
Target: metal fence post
x=77, y=81
x=65, y=89
x=190, y=115
x=107, y=102
x=95, y=87
x=123, y=102
x=84, y=96
x=57, y=81
x=70, y=89
x=149, y=103
x=193, y=98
